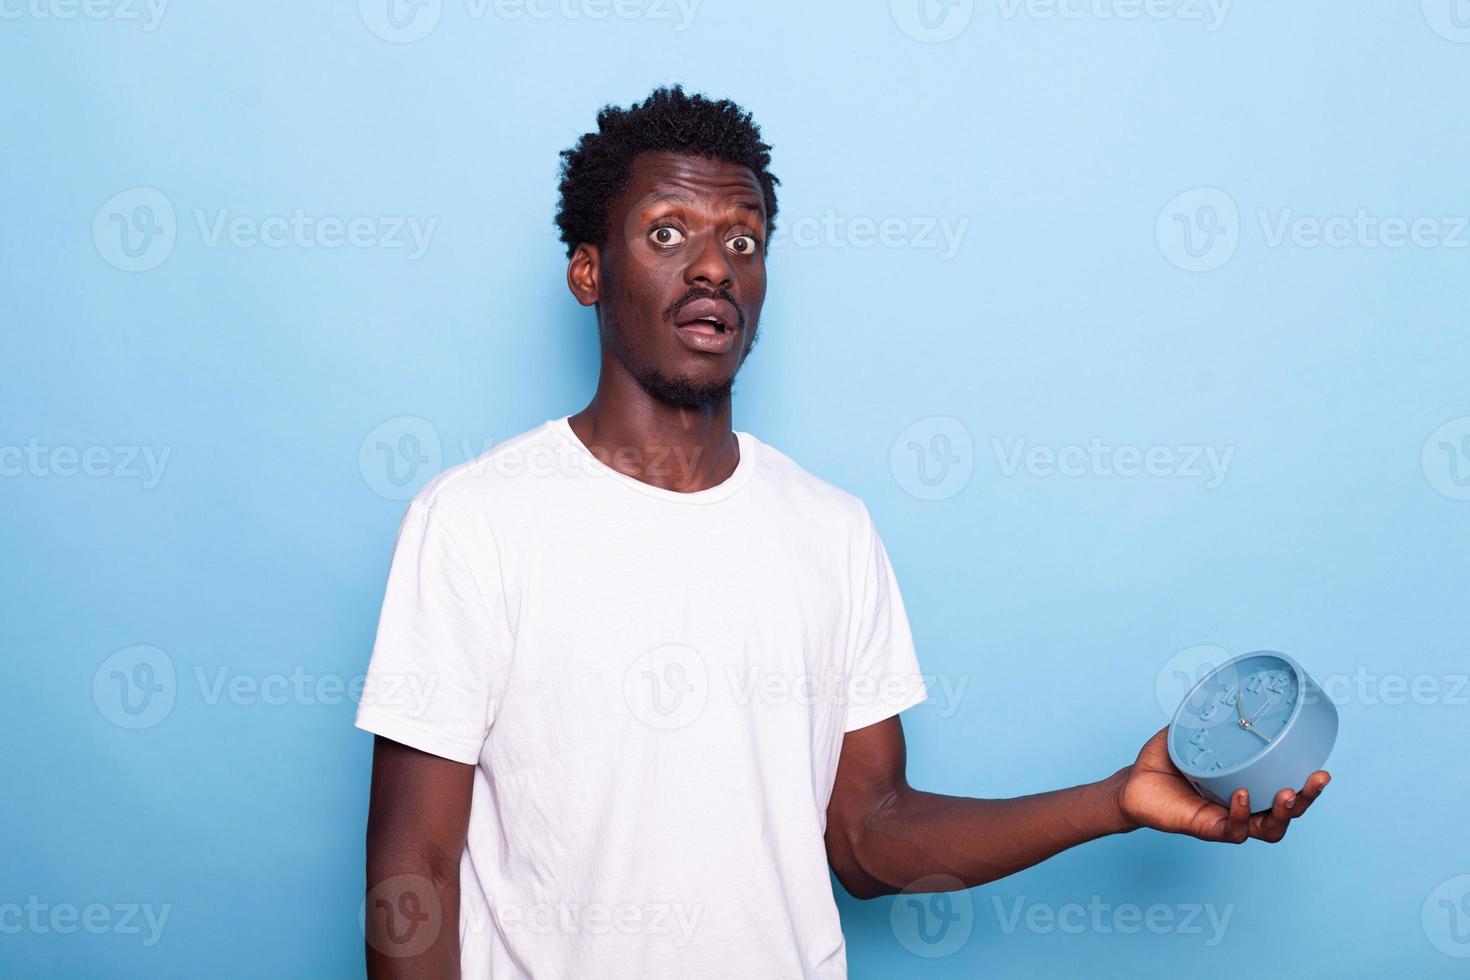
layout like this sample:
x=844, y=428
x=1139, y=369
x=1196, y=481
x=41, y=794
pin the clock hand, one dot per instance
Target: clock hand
x=1240, y=709
x=1251, y=728
x=1264, y=705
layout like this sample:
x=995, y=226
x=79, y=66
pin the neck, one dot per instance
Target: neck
x=679, y=449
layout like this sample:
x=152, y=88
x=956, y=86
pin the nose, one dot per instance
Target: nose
x=708, y=266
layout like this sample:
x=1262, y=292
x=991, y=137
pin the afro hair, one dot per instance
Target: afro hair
x=597, y=169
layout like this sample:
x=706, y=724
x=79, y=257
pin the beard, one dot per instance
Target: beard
x=682, y=392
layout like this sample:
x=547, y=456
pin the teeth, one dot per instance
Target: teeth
x=713, y=321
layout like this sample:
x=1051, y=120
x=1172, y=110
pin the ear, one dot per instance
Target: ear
x=584, y=270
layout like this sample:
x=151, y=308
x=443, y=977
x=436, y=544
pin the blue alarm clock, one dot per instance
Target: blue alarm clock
x=1257, y=721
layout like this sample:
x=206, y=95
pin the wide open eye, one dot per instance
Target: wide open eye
x=666, y=235
x=743, y=245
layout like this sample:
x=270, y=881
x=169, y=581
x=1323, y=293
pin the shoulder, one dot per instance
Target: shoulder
x=497, y=480
x=817, y=499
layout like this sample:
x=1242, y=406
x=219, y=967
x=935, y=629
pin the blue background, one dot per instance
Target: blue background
x=1338, y=532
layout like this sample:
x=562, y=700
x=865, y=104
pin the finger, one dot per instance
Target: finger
x=1316, y=782
x=1271, y=826
x=1238, y=823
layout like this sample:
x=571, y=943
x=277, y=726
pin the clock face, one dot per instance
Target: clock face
x=1234, y=714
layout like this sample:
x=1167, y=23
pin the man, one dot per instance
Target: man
x=662, y=663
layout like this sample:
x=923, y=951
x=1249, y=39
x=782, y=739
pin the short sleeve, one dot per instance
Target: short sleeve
x=441, y=650
x=884, y=676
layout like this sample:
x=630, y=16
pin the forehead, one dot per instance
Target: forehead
x=694, y=180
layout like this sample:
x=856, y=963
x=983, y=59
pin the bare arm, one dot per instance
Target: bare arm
x=883, y=836
x=417, y=819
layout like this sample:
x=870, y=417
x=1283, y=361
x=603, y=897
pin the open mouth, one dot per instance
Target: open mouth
x=709, y=316
x=710, y=325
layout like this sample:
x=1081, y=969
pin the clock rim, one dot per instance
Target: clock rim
x=1296, y=709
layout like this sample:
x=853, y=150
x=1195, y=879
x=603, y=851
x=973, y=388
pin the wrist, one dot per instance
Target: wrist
x=1116, y=817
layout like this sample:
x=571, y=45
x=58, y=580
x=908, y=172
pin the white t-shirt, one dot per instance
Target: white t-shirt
x=654, y=687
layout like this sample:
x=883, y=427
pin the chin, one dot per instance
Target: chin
x=686, y=392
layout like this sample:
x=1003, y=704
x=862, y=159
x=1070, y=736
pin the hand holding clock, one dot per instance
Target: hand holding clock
x=1251, y=728
x=1198, y=775
x=1154, y=793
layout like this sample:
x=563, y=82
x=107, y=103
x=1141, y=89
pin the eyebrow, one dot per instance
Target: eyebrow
x=674, y=197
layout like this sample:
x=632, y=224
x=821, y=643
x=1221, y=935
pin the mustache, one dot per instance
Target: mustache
x=692, y=295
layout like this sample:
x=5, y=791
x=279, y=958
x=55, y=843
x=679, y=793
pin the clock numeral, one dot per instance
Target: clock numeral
x=1198, y=738
x=1221, y=700
x=1198, y=762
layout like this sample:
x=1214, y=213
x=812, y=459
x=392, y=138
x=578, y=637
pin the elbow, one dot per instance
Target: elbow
x=865, y=888
x=857, y=859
